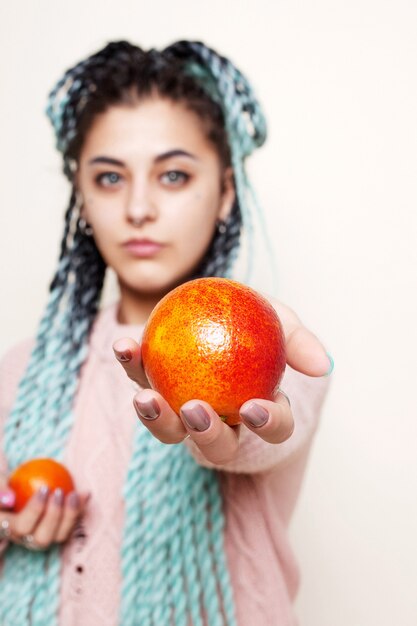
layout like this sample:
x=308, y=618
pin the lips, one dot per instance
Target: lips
x=143, y=248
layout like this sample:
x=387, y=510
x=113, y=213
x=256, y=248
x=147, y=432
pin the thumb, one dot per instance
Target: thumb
x=7, y=495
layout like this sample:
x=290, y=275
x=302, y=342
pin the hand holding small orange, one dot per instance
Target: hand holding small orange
x=39, y=506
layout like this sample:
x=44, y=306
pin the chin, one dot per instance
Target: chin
x=155, y=285
x=160, y=274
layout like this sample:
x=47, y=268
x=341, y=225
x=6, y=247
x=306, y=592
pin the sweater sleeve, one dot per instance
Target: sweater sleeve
x=307, y=395
x=12, y=367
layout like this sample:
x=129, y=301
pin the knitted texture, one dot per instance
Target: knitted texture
x=259, y=489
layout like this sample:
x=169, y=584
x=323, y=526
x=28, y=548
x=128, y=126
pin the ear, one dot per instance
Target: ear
x=79, y=197
x=228, y=195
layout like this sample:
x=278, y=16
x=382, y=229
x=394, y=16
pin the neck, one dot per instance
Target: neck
x=135, y=307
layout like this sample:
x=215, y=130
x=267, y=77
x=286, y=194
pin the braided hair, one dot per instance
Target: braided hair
x=172, y=555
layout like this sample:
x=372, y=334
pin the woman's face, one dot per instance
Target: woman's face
x=153, y=187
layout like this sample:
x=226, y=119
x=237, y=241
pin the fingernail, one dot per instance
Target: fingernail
x=73, y=500
x=285, y=396
x=149, y=410
x=196, y=418
x=124, y=356
x=43, y=493
x=58, y=497
x=255, y=414
x=331, y=367
x=7, y=499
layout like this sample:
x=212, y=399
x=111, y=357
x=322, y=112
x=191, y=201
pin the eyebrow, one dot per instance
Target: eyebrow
x=161, y=157
x=107, y=160
x=175, y=153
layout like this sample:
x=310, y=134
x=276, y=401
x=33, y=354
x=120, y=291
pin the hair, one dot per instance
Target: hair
x=173, y=561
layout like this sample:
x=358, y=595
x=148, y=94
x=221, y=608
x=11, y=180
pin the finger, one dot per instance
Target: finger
x=75, y=505
x=217, y=441
x=158, y=417
x=305, y=352
x=25, y=522
x=45, y=531
x=5, y=526
x=7, y=499
x=7, y=495
x=272, y=421
x=127, y=351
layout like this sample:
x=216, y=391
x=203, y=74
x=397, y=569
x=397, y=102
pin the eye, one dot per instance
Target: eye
x=174, y=178
x=108, y=179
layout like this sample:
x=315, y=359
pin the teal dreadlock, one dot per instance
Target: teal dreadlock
x=173, y=561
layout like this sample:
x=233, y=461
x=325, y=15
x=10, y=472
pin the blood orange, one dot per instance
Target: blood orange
x=36, y=473
x=217, y=340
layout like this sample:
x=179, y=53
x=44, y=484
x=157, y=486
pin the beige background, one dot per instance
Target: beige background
x=337, y=179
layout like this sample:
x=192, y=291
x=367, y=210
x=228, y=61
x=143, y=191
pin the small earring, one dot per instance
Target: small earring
x=78, y=200
x=85, y=228
x=221, y=227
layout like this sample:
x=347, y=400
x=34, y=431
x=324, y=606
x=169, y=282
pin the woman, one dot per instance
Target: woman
x=154, y=145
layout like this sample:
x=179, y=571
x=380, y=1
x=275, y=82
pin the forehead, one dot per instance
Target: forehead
x=147, y=128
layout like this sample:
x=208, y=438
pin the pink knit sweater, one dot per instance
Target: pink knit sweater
x=260, y=489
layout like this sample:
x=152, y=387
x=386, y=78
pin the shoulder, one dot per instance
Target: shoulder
x=15, y=358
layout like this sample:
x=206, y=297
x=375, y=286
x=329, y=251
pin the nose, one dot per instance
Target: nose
x=140, y=206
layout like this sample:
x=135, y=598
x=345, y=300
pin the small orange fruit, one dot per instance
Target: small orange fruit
x=217, y=340
x=29, y=477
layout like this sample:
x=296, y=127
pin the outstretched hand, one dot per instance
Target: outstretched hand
x=218, y=442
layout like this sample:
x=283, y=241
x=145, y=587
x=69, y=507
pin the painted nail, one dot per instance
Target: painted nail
x=331, y=367
x=196, y=418
x=42, y=494
x=285, y=396
x=7, y=499
x=58, y=497
x=73, y=500
x=255, y=414
x=124, y=356
x=149, y=410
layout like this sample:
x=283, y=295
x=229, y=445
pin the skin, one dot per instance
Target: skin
x=49, y=518
x=165, y=174
x=168, y=176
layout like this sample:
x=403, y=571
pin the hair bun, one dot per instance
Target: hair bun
x=244, y=116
